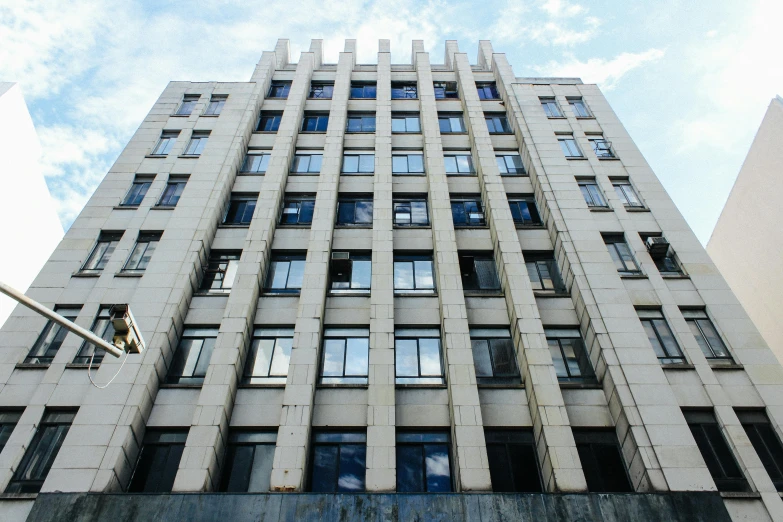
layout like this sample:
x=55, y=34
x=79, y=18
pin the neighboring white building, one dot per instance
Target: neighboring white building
x=29, y=226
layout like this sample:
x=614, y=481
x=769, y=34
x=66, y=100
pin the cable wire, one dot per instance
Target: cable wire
x=127, y=352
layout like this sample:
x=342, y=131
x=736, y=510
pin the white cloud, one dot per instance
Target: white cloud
x=605, y=72
x=565, y=24
x=561, y=8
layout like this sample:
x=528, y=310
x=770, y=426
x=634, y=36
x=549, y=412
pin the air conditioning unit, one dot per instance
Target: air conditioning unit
x=657, y=246
x=341, y=261
x=603, y=145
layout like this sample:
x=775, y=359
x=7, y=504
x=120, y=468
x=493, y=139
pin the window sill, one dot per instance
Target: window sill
x=266, y=293
x=585, y=117
x=422, y=174
x=600, y=209
x=250, y=173
x=530, y=227
x=549, y=294
x=227, y=225
x=590, y=385
x=129, y=274
x=82, y=366
x=418, y=227
x=348, y=293
x=461, y=133
x=414, y=386
x=354, y=386
x=501, y=133
x=357, y=173
x=637, y=209
x=189, y=156
x=187, y=386
x=633, y=276
x=31, y=366
x=740, y=494
x=608, y=159
x=576, y=158
x=458, y=175
x=556, y=117
x=126, y=207
x=212, y=293
x=319, y=98
x=479, y=293
x=304, y=173
x=348, y=226
x=18, y=496
x=180, y=115
x=413, y=294
x=725, y=366
x=362, y=98
x=675, y=276
x=87, y=274
x=156, y=156
x=163, y=207
x=405, y=132
x=678, y=366
x=469, y=227
x=358, y=132
x=488, y=386
x=285, y=225
x=264, y=132
x=255, y=386
x=515, y=175
x=210, y=115
x=397, y=99
x=312, y=132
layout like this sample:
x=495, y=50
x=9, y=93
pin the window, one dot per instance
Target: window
x=321, y=90
x=413, y=274
x=142, y=252
x=40, y=454
x=358, y=163
x=569, y=356
x=354, y=211
x=766, y=443
x=715, y=450
x=661, y=337
x=460, y=164
x=513, y=464
x=665, y=260
x=362, y=90
x=488, y=91
x=402, y=122
x=497, y=124
x=240, y=209
x=350, y=272
x=346, y=356
x=158, y=461
x=451, y=123
x=602, y=461
x=102, y=251
x=707, y=336
x=467, y=213
x=579, y=108
x=315, y=122
x=307, y=164
x=543, y=272
x=551, y=108
x=404, y=91
x=286, y=273
x=445, y=90
x=591, y=193
x=165, y=143
x=256, y=162
x=339, y=461
x=8, y=420
x=189, y=102
x=407, y=164
x=417, y=357
x=279, y=89
x=172, y=192
x=137, y=192
x=601, y=147
x=627, y=194
x=411, y=213
x=494, y=356
x=269, y=122
x=423, y=462
x=248, y=464
x=510, y=164
x=191, y=360
x=198, y=141
x=269, y=357
x=297, y=210
x=220, y=272
x=524, y=211
x=103, y=328
x=50, y=340
x=569, y=147
x=360, y=122
x=216, y=103
x=621, y=255
x=478, y=273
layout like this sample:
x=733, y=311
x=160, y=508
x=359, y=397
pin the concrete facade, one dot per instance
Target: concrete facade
x=632, y=395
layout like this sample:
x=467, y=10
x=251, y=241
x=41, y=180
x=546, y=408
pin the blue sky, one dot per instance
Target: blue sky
x=690, y=80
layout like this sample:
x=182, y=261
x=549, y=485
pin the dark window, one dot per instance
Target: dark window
x=510, y=164
x=158, y=461
x=423, y=462
x=451, y=123
x=198, y=140
x=216, y=103
x=248, y=464
x=467, y=213
x=256, y=162
x=8, y=420
x=269, y=357
x=137, y=191
x=345, y=356
x=662, y=255
x=572, y=363
x=279, y=89
x=417, y=356
x=445, y=90
x=579, y=108
x=307, y=164
x=319, y=90
x=315, y=122
x=404, y=90
x=411, y=212
x=339, y=461
x=191, y=360
x=220, y=272
x=497, y=123
x=408, y=164
x=478, y=273
x=350, y=273
x=103, y=328
x=354, y=212
x=627, y=194
x=602, y=147
x=602, y=462
x=297, y=211
x=142, y=252
x=544, y=273
x=494, y=356
x=358, y=163
x=286, y=273
x=715, y=450
x=360, y=122
x=402, y=122
x=488, y=91
x=707, y=336
x=172, y=192
x=513, y=464
x=551, y=108
x=240, y=209
x=360, y=90
x=621, y=255
x=414, y=274
x=592, y=194
x=269, y=122
x=569, y=147
x=51, y=338
x=189, y=102
x=102, y=251
x=524, y=211
x=165, y=143
x=661, y=337
x=459, y=164
x=766, y=443
x=40, y=454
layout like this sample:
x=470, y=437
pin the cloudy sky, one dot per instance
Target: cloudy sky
x=690, y=79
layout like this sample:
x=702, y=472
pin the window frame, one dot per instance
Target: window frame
x=668, y=265
x=474, y=218
x=251, y=200
x=51, y=338
x=362, y=117
x=279, y=90
x=199, y=366
x=517, y=439
x=762, y=441
x=329, y=438
x=510, y=171
x=410, y=90
x=397, y=157
x=442, y=87
x=550, y=107
x=528, y=200
x=354, y=200
x=321, y=120
x=279, y=356
x=458, y=172
x=592, y=442
x=491, y=337
x=423, y=440
x=149, y=240
x=401, y=200
x=303, y=202
x=696, y=324
x=198, y=141
x=110, y=239
x=88, y=351
x=299, y=157
x=361, y=257
x=574, y=102
x=216, y=104
x=9, y=418
x=413, y=259
x=450, y=118
x=591, y=192
x=470, y=258
x=625, y=191
x=261, y=166
x=187, y=105
x=366, y=87
x=558, y=286
x=403, y=116
x=582, y=359
x=619, y=258
x=419, y=379
x=359, y=161
x=166, y=142
x=498, y=120
x=658, y=327
x=271, y=270
x=215, y=262
x=137, y=191
x=708, y=441
x=315, y=86
x=570, y=152
x=274, y=119
x=608, y=150
x=266, y=439
x=164, y=478
x=341, y=378
x=488, y=91
x=166, y=197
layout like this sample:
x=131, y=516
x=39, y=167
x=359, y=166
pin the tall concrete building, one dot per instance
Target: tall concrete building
x=379, y=284
x=747, y=243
